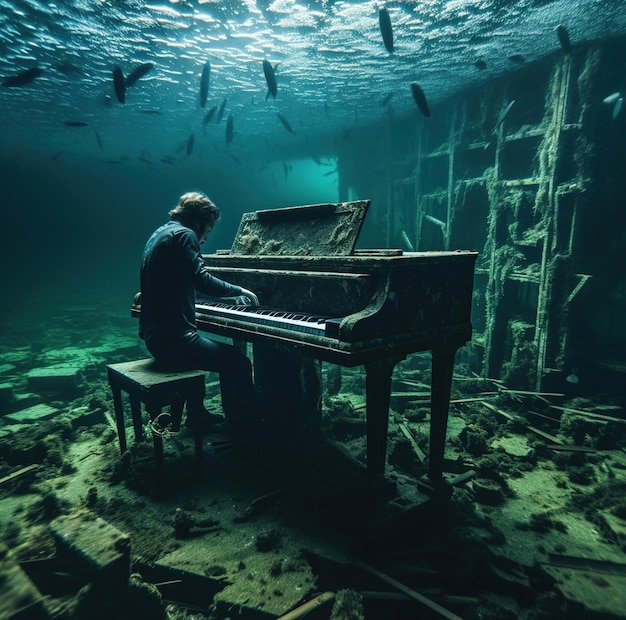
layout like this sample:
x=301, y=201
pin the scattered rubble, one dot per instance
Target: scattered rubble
x=535, y=525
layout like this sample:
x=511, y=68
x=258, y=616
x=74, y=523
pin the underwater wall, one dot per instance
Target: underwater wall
x=528, y=170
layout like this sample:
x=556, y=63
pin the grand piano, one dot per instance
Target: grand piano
x=323, y=301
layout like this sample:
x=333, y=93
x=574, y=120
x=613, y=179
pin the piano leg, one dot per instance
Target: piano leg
x=442, y=367
x=378, y=395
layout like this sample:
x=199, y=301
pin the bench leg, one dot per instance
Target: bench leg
x=157, y=440
x=135, y=408
x=119, y=417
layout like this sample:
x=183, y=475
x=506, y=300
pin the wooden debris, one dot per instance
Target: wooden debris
x=600, y=417
x=418, y=452
x=543, y=417
x=18, y=473
x=475, y=377
x=442, y=611
x=33, y=414
x=413, y=383
x=584, y=449
x=458, y=401
x=305, y=608
x=508, y=416
x=533, y=429
x=462, y=478
x=398, y=596
x=543, y=434
x=571, y=561
x=410, y=395
x=111, y=421
x=19, y=597
x=527, y=393
x=93, y=548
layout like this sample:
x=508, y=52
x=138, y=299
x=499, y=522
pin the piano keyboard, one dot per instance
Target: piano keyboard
x=295, y=321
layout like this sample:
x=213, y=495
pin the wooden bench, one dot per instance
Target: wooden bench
x=156, y=387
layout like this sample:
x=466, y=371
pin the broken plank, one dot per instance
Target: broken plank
x=590, y=414
x=305, y=608
x=19, y=472
x=527, y=393
x=399, y=596
x=543, y=434
x=571, y=561
x=418, y=452
x=442, y=611
x=533, y=429
x=566, y=448
x=508, y=416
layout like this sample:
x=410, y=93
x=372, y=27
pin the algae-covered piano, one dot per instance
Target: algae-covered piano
x=323, y=301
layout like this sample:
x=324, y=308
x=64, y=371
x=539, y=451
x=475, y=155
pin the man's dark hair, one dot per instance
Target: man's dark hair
x=195, y=210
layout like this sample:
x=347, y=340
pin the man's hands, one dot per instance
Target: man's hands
x=247, y=298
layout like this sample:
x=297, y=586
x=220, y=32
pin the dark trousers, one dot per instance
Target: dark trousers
x=192, y=351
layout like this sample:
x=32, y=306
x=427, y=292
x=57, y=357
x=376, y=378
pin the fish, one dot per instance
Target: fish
x=119, y=84
x=229, y=129
x=99, y=139
x=151, y=112
x=563, y=35
x=286, y=123
x=270, y=78
x=190, y=142
x=504, y=113
x=617, y=107
x=138, y=72
x=480, y=64
x=75, y=123
x=384, y=21
x=386, y=100
x=612, y=98
x=286, y=170
x=327, y=174
x=420, y=99
x=209, y=115
x=516, y=58
x=168, y=159
x=220, y=113
x=204, y=83
x=23, y=77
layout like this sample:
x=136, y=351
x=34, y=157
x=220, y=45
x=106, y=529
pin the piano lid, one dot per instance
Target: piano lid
x=311, y=230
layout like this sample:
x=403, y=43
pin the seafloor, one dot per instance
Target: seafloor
x=534, y=525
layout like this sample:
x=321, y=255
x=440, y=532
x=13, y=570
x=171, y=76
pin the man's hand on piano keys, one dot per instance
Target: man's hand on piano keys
x=247, y=298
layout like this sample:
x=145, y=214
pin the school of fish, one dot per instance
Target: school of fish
x=121, y=85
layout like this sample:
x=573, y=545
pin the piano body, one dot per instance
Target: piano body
x=322, y=301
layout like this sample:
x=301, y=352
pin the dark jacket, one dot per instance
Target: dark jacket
x=172, y=270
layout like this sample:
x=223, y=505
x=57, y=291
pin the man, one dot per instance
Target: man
x=172, y=270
